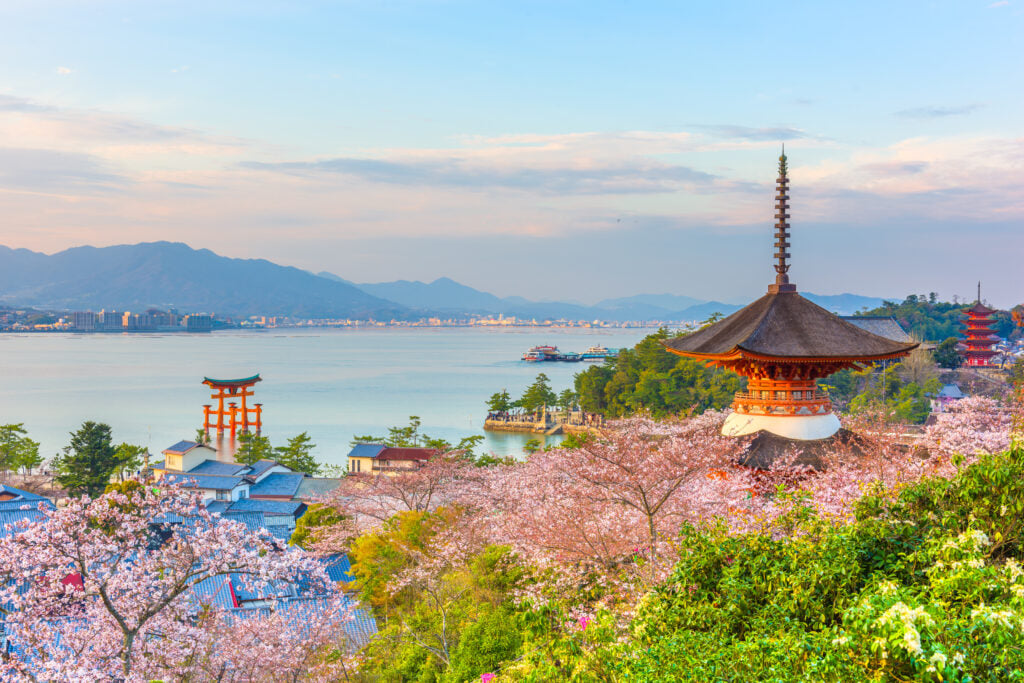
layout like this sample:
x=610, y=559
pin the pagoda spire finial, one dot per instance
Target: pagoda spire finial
x=782, y=283
x=979, y=291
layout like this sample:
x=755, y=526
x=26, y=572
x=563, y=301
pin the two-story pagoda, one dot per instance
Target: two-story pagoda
x=979, y=337
x=782, y=343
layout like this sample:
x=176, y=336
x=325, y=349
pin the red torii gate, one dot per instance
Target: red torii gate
x=237, y=416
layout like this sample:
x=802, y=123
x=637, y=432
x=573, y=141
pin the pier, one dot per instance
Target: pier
x=547, y=422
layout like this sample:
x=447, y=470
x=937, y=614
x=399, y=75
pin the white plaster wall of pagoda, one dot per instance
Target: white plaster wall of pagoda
x=806, y=428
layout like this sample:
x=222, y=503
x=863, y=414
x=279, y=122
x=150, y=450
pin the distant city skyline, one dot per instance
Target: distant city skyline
x=578, y=150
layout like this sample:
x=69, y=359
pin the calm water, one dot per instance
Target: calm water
x=335, y=384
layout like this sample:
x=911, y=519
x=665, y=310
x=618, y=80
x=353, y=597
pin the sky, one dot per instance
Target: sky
x=551, y=149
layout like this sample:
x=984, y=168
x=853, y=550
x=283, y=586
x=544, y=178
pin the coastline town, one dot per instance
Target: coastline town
x=256, y=552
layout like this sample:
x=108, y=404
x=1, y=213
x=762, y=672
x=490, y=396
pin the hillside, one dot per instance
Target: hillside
x=164, y=274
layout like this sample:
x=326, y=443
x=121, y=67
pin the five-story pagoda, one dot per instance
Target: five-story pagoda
x=979, y=337
x=783, y=343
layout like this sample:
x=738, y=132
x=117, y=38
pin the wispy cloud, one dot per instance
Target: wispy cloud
x=934, y=112
x=752, y=133
x=43, y=170
x=600, y=178
x=64, y=71
x=999, y=3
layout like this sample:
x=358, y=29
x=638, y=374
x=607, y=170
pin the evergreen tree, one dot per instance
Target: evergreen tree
x=129, y=459
x=17, y=451
x=252, y=447
x=296, y=455
x=946, y=355
x=499, y=402
x=88, y=461
x=538, y=394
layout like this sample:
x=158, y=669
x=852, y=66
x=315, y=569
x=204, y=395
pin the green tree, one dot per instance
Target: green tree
x=88, y=462
x=28, y=455
x=566, y=399
x=296, y=455
x=538, y=394
x=311, y=524
x=252, y=448
x=499, y=402
x=649, y=378
x=129, y=459
x=946, y=355
x=531, y=446
x=17, y=451
x=202, y=436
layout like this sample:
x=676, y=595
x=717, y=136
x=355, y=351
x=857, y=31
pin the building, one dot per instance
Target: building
x=195, y=465
x=198, y=322
x=378, y=458
x=882, y=325
x=84, y=321
x=979, y=337
x=783, y=343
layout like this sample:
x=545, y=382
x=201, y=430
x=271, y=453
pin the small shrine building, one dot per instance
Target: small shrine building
x=783, y=343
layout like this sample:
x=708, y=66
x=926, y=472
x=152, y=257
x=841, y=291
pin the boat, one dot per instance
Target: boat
x=597, y=353
x=541, y=353
x=570, y=357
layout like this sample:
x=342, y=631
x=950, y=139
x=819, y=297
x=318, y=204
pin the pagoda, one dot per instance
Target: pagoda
x=783, y=343
x=979, y=337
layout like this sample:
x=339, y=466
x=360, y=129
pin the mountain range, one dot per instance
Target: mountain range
x=164, y=274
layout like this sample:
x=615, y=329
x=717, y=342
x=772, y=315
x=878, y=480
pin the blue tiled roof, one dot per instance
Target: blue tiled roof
x=253, y=521
x=278, y=484
x=282, y=532
x=219, y=506
x=338, y=567
x=219, y=468
x=10, y=520
x=32, y=504
x=358, y=624
x=181, y=447
x=261, y=466
x=269, y=507
x=204, y=481
x=27, y=495
x=366, y=450
x=216, y=590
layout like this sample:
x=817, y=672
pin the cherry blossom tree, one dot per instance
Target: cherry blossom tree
x=365, y=501
x=106, y=589
x=971, y=426
x=616, y=498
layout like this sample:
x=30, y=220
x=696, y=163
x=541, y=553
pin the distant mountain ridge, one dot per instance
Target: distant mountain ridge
x=446, y=296
x=164, y=274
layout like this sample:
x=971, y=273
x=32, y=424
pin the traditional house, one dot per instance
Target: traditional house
x=378, y=458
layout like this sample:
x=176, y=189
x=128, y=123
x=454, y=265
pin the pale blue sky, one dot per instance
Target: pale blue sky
x=576, y=149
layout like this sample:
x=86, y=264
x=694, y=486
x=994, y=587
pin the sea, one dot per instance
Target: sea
x=334, y=384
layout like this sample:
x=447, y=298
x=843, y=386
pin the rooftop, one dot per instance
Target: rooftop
x=407, y=454
x=786, y=325
x=215, y=482
x=269, y=507
x=314, y=487
x=219, y=468
x=882, y=325
x=278, y=484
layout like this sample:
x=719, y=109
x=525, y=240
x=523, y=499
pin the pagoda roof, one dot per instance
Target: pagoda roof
x=980, y=309
x=231, y=382
x=785, y=325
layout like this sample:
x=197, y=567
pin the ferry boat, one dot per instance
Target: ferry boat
x=541, y=353
x=597, y=353
x=570, y=357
